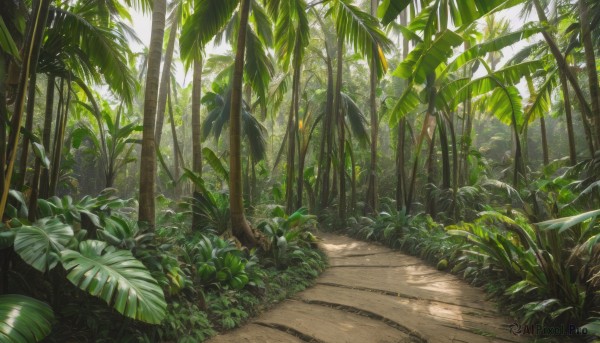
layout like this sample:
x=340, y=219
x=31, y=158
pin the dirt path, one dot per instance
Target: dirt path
x=373, y=294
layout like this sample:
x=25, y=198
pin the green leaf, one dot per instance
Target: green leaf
x=362, y=31
x=493, y=45
x=565, y=223
x=116, y=277
x=390, y=9
x=41, y=243
x=209, y=17
x=7, y=44
x=24, y=319
x=40, y=153
x=215, y=162
x=425, y=58
x=408, y=102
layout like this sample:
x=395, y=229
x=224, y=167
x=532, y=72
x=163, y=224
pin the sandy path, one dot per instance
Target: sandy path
x=373, y=294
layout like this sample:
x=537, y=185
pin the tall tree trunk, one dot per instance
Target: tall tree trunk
x=446, y=174
x=592, y=71
x=176, y=150
x=371, y=201
x=328, y=121
x=300, y=180
x=455, y=164
x=196, y=132
x=352, y=178
x=519, y=167
x=33, y=42
x=563, y=67
x=59, y=141
x=29, y=128
x=545, y=156
x=148, y=155
x=400, y=173
x=400, y=148
x=165, y=82
x=569, y=118
x=291, y=140
x=239, y=226
x=430, y=201
x=36, y=187
x=3, y=122
x=44, y=183
x=341, y=137
x=424, y=130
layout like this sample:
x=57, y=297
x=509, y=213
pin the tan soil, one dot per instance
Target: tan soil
x=373, y=294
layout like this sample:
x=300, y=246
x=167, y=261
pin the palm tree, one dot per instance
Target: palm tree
x=146, y=213
x=208, y=20
x=362, y=30
x=371, y=201
x=196, y=131
x=291, y=39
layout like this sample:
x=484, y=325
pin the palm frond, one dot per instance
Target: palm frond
x=209, y=17
x=356, y=118
x=259, y=68
x=362, y=31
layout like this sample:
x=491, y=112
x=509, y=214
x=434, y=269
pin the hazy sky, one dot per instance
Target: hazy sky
x=142, y=24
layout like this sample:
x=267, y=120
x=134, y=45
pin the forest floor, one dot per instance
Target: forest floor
x=371, y=293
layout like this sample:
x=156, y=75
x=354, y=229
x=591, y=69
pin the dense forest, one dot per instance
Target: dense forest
x=171, y=193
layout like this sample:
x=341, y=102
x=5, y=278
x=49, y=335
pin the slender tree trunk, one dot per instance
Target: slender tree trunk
x=148, y=155
x=3, y=121
x=563, y=67
x=239, y=226
x=165, y=82
x=400, y=173
x=36, y=187
x=196, y=132
x=33, y=42
x=592, y=71
x=300, y=180
x=352, y=179
x=341, y=134
x=569, y=118
x=424, y=129
x=544, y=141
x=328, y=121
x=291, y=142
x=176, y=154
x=44, y=178
x=29, y=128
x=430, y=163
x=445, y=151
x=455, y=164
x=59, y=139
x=519, y=167
x=400, y=148
x=371, y=201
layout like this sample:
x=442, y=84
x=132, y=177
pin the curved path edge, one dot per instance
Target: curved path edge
x=371, y=293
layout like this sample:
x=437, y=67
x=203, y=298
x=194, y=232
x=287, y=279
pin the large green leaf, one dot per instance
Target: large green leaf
x=215, y=162
x=116, y=277
x=492, y=45
x=24, y=319
x=565, y=223
x=41, y=243
x=425, y=58
x=409, y=100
